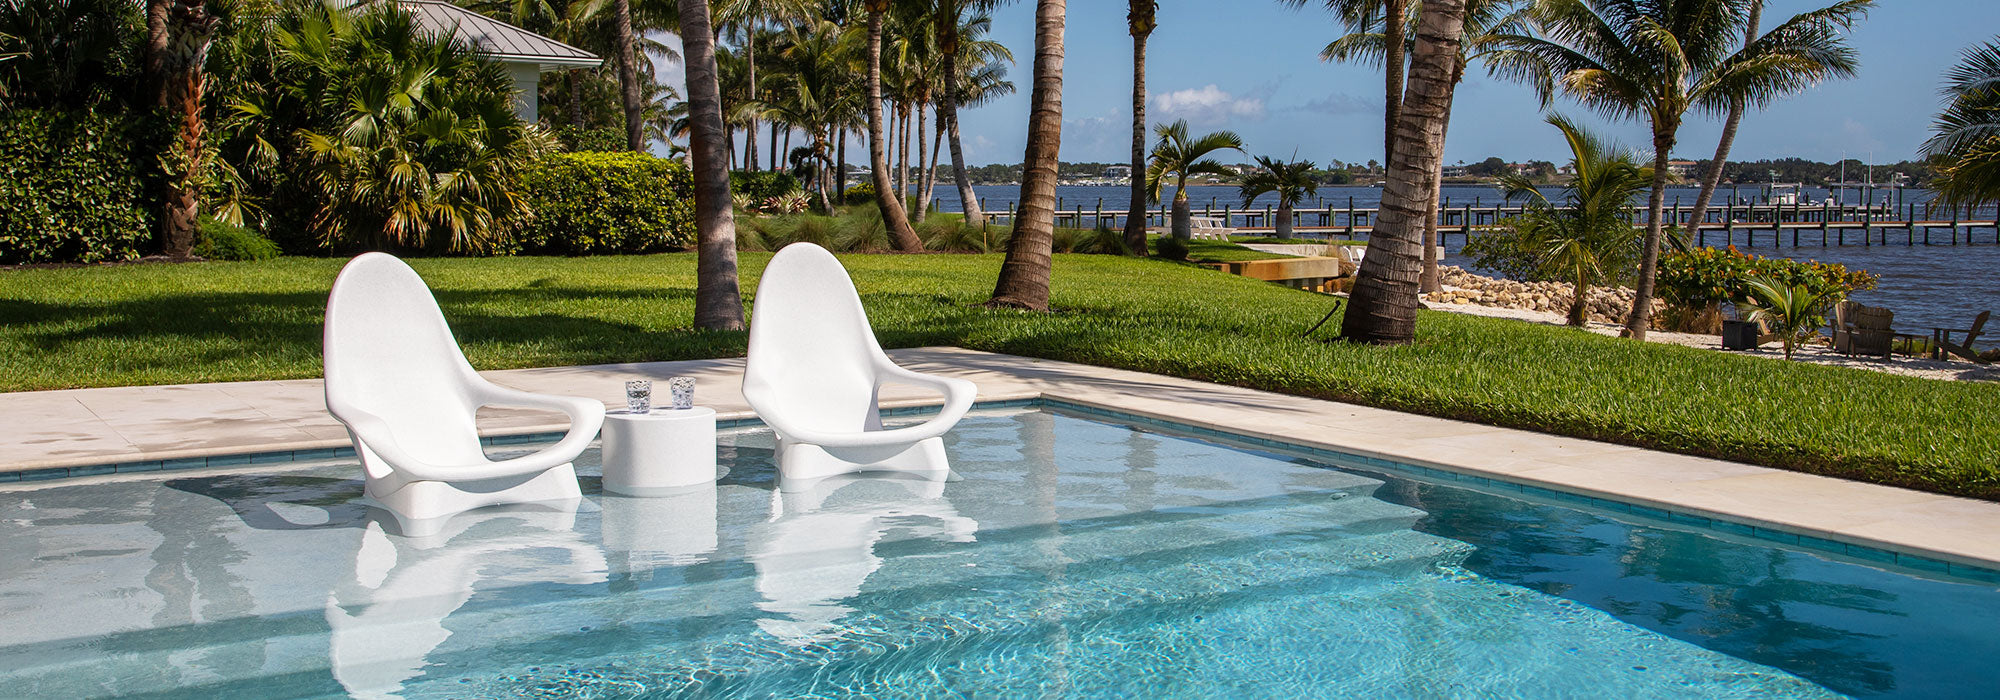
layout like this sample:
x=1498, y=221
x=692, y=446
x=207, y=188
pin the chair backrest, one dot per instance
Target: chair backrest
x=1978, y=324
x=389, y=352
x=812, y=351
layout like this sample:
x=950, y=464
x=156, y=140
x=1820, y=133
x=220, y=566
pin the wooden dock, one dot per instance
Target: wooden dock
x=1748, y=225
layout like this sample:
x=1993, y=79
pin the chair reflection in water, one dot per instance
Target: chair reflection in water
x=389, y=618
x=818, y=548
x=815, y=373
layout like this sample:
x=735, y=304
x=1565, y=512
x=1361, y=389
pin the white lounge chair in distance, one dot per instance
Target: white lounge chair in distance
x=396, y=379
x=815, y=371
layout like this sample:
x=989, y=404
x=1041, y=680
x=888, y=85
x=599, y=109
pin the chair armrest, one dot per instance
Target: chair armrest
x=959, y=395
x=375, y=433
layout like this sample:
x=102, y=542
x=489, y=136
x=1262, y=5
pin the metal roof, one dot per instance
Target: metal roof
x=495, y=39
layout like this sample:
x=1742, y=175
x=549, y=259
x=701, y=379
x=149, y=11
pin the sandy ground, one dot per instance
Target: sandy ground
x=1819, y=354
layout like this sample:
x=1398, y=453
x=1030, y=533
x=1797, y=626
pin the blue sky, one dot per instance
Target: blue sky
x=1252, y=66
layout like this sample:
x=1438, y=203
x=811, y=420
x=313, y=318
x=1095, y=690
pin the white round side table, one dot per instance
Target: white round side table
x=658, y=453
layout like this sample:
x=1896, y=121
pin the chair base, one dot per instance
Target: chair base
x=801, y=465
x=423, y=507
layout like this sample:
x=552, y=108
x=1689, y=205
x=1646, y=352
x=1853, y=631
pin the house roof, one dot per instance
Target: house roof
x=495, y=39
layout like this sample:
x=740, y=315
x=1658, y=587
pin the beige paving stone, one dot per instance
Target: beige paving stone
x=95, y=426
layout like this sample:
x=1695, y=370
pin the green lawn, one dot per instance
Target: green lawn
x=151, y=324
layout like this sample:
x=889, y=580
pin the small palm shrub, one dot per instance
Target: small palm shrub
x=1792, y=311
x=220, y=240
x=956, y=237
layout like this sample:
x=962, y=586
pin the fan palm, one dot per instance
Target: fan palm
x=1589, y=237
x=1966, y=135
x=1485, y=22
x=1292, y=182
x=980, y=77
x=1664, y=58
x=748, y=16
x=396, y=138
x=1180, y=157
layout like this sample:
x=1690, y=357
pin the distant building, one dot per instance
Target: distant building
x=1683, y=168
x=1454, y=171
x=1520, y=168
x=1118, y=171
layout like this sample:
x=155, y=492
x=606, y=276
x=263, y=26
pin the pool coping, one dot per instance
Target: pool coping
x=1887, y=525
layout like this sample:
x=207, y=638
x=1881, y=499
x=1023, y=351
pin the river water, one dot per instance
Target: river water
x=1927, y=286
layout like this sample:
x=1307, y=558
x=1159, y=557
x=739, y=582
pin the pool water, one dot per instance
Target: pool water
x=1074, y=558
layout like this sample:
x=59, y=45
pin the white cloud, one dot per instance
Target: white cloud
x=1207, y=106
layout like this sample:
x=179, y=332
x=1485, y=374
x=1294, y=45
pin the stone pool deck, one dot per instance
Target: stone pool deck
x=84, y=432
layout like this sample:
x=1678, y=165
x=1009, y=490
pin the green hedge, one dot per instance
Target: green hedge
x=606, y=203
x=760, y=185
x=73, y=188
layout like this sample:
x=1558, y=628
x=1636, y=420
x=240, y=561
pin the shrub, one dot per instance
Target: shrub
x=860, y=193
x=72, y=189
x=221, y=240
x=762, y=185
x=1170, y=248
x=598, y=140
x=606, y=203
x=1707, y=277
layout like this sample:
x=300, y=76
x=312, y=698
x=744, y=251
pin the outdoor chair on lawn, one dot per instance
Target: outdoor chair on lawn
x=1859, y=329
x=815, y=371
x=1941, y=342
x=1208, y=228
x=409, y=399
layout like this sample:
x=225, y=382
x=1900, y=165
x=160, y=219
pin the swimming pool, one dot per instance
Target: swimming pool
x=1075, y=558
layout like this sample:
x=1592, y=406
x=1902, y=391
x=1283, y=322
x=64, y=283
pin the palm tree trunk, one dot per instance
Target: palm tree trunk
x=923, y=181
x=1183, y=225
x=840, y=169
x=750, y=128
x=1579, y=304
x=1135, y=212
x=1649, y=254
x=1284, y=226
x=901, y=235
x=903, y=152
x=1383, y=305
x=1429, y=281
x=777, y=156
x=1024, y=276
x=1392, y=89
x=155, y=54
x=628, y=74
x=1714, y=177
x=573, y=78
x=929, y=179
x=718, y=303
x=191, y=30
x=968, y=200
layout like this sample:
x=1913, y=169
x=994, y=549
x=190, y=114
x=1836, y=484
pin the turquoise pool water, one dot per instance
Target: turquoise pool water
x=1076, y=558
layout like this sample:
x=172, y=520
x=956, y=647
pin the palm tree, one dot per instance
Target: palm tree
x=1292, y=182
x=749, y=15
x=627, y=52
x=1664, y=58
x=1589, y=237
x=1789, y=311
x=1180, y=157
x=818, y=88
x=978, y=74
x=1140, y=19
x=1382, y=308
x=1966, y=135
x=1395, y=17
x=190, y=31
x=901, y=235
x=1713, y=178
x=1485, y=21
x=718, y=301
x=1024, y=276
x=394, y=138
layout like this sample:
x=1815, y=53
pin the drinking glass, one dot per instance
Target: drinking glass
x=683, y=392
x=639, y=395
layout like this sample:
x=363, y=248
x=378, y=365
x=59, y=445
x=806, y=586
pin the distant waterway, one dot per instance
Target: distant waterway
x=1927, y=286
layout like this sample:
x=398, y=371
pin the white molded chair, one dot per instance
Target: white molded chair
x=396, y=378
x=815, y=370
